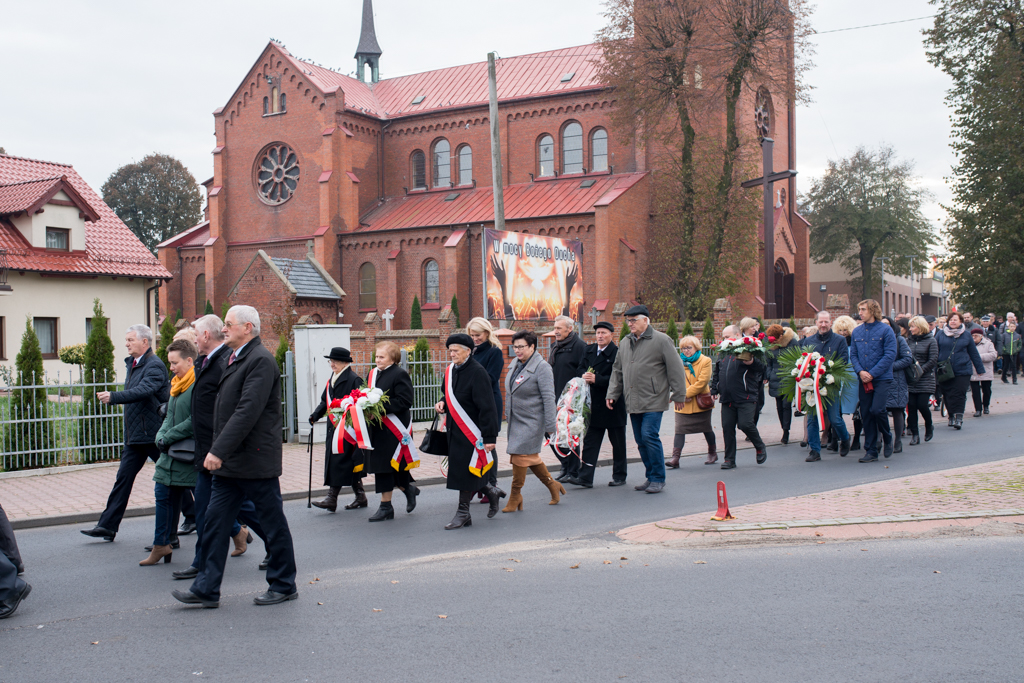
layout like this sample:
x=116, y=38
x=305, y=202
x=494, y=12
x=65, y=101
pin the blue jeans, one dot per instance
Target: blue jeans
x=168, y=507
x=835, y=416
x=647, y=432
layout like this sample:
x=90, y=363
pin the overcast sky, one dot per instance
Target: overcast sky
x=101, y=84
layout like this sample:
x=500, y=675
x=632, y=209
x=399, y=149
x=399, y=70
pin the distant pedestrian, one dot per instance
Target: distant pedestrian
x=1010, y=345
x=957, y=355
x=245, y=460
x=844, y=326
x=872, y=355
x=565, y=356
x=692, y=418
x=488, y=353
x=981, y=383
x=646, y=374
x=749, y=327
x=146, y=388
x=926, y=355
x=779, y=338
x=596, y=370
x=899, y=395
x=736, y=382
x=342, y=467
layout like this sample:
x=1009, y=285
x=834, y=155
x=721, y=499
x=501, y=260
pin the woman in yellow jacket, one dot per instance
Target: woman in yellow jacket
x=691, y=418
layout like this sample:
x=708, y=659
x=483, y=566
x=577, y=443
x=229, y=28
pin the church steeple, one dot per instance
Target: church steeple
x=368, y=51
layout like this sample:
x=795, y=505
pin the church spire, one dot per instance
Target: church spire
x=368, y=51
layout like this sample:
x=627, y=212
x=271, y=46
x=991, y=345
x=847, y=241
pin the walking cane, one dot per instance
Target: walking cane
x=309, y=494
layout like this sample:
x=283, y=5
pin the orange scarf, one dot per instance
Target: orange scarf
x=181, y=384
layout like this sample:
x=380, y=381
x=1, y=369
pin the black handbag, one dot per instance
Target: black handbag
x=435, y=441
x=944, y=372
x=183, y=450
x=913, y=372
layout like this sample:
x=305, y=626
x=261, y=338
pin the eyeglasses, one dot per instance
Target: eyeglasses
x=630, y=321
x=230, y=325
x=520, y=347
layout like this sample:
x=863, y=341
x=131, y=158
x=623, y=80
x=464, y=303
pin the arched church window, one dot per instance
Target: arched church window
x=367, y=286
x=465, y=156
x=599, y=150
x=266, y=106
x=431, y=282
x=200, y=293
x=284, y=104
x=442, y=163
x=419, y=170
x=572, y=148
x=546, y=156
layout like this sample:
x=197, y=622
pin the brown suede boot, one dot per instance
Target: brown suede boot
x=158, y=552
x=673, y=464
x=541, y=472
x=515, y=499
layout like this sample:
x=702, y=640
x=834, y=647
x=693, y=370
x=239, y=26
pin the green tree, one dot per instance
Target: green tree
x=100, y=429
x=455, y=311
x=209, y=308
x=708, y=333
x=687, y=330
x=156, y=198
x=166, y=337
x=792, y=323
x=416, y=316
x=624, y=332
x=224, y=308
x=423, y=375
x=980, y=45
x=863, y=207
x=282, y=349
x=29, y=430
x=672, y=331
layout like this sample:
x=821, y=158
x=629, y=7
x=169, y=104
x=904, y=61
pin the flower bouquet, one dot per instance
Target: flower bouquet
x=572, y=415
x=352, y=414
x=744, y=348
x=812, y=381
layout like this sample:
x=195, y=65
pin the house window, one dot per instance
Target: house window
x=431, y=282
x=599, y=150
x=419, y=170
x=546, y=156
x=200, y=293
x=367, y=287
x=57, y=239
x=46, y=331
x=442, y=164
x=88, y=327
x=465, y=165
x=572, y=148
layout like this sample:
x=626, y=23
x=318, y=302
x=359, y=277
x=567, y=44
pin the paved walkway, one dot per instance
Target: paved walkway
x=964, y=496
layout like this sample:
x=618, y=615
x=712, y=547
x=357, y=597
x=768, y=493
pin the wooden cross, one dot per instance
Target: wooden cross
x=388, y=315
x=765, y=182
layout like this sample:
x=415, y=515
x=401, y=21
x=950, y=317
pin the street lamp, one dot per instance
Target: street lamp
x=823, y=289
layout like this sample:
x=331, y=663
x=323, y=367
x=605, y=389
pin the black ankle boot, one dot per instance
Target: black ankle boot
x=360, y=501
x=385, y=511
x=411, y=491
x=958, y=421
x=461, y=517
x=915, y=440
x=330, y=502
x=929, y=432
x=494, y=496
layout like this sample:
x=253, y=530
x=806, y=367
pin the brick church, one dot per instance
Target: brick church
x=334, y=198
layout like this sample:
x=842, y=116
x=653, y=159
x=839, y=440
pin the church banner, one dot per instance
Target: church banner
x=530, y=277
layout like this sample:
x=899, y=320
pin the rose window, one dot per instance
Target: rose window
x=763, y=114
x=277, y=173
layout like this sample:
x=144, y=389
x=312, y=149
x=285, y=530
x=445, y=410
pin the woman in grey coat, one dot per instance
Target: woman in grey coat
x=899, y=395
x=926, y=353
x=530, y=412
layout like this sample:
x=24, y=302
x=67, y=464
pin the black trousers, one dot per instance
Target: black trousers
x=570, y=462
x=1009, y=366
x=133, y=457
x=225, y=503
x=874, y=415
x=760, y=403
x=203, y=491
x=10, y=585
x=592, y=448
x=981, y=392
x=785, y=410
x=954, y=393
x=9, y=546
x=918, y=404
x=741, y=416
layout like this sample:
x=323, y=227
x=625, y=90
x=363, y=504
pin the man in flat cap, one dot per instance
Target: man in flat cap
x=646, y=372
x=596, y=370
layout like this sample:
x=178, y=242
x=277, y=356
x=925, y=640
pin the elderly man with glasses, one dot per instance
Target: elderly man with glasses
x=646, y=373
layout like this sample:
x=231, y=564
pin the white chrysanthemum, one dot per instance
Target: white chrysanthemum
x=830, y=379
x=375, y=394
x=831, y=363
x=362, y=402
x=815, y=356
x=576, y=426
x=823, y=391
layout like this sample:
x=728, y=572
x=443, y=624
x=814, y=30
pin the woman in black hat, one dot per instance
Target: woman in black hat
x=345, y=468
x=471, y=420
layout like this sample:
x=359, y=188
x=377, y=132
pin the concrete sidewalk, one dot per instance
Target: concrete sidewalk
x=964, y=496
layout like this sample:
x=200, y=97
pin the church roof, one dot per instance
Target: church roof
x=558, y=197
x=368, y=35
x=554, y=72
x=110, y=247
x=307, y=280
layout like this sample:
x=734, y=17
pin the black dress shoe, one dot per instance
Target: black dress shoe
x=986, y=410
x=273, y=597
x=915, y=440
x=977, y=413
x=586, y=485
x=562, y=476
x=21, y=569
x=869, y=458
x=729, y=465
x=574, y=480
x=385, y=511
x=187, y=573
x=844, y=448
x=9, y=607
x=813, y=456
x=175, y=544
x=100, y=532
x=190, y=598
x=887, y=449
x=785, y=437
x=617, y=482
x=929, y=432
x=762, y=455
x=411, y=491
x=265, y=562
x=186, y=528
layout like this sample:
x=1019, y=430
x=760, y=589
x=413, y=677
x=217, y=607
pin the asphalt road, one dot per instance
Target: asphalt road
x=799, y=612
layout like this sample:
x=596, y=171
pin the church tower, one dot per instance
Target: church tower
x=368, y=51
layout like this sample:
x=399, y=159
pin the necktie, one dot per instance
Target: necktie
x=206, y=359
x=232, y=359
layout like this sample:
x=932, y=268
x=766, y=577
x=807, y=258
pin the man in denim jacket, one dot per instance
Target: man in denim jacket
x=872, y=353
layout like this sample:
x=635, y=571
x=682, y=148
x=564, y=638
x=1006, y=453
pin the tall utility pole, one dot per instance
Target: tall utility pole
x=496, y=177
x=912, y=299
x=882, y=259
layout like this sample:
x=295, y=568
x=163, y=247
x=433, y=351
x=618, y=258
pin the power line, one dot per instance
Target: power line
x=888, y=23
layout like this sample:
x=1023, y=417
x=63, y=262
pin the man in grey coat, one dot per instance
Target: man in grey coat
x=647, y=371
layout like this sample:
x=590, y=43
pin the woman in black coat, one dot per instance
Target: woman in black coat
x=487, y=352
x=340, y=468
x=926, y=354
x=470, y=388
x=396, y=384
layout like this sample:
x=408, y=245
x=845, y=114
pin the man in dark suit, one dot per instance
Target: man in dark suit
x=245, y=460
x=146, y=388
x=564, y=358
x=210, y=365
x=596, y=369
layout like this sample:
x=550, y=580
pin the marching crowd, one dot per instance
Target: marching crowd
x=213, y=427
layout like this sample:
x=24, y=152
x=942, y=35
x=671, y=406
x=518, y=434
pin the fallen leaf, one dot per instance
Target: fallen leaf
x=575, y=566
x=95, y=642
x=394, y=582
x=317, y=578
x=512, y=559
x=863, y=550
x=936, y=572
x=442, y=616
x=816, y=533
x=699, y=562
x=607, y=561
x=377, y=610
x=508, y=570
x=821, y=541
x=319, y=603
x=623, y=558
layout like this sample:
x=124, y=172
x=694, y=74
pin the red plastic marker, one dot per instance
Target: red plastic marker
x=723, y=505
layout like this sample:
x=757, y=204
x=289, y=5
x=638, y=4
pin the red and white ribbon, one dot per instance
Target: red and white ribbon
x=406, y=452
x=481, y=460
x=574, y=439
x=342, y=432
x=817, y=368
